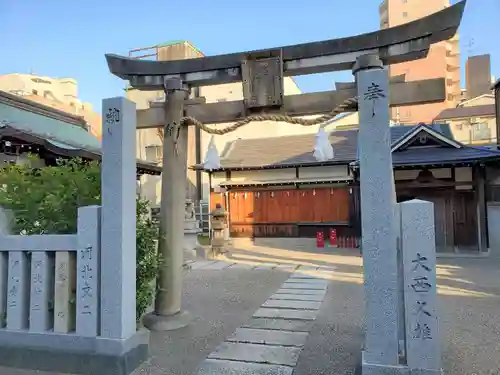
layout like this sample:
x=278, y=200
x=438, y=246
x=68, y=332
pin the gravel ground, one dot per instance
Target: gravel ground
x=220, y=302
x=469, y=305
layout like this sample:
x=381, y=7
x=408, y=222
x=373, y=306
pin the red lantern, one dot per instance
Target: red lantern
x=320, y=240
x=333, y=237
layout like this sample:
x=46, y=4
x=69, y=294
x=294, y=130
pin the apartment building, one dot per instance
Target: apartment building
x=443, y=59
x=58, y=93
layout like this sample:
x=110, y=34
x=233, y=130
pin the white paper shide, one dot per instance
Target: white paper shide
x=323, y=149
x=212, y=158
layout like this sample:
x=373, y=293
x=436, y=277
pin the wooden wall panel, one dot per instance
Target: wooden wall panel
x=289, y=206
x=216, y=198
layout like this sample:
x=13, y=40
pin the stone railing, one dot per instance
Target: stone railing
x=68, y=301
x=51, y=284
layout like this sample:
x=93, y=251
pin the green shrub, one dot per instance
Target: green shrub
x=45, y=201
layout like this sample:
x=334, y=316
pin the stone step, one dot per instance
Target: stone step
x=279, y=324
x=221, y=367
x=297, y=305
x=265, y=312
x=268, y=354
x=269, y=337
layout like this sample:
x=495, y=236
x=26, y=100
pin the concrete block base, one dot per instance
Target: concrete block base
x=377, y=369
x=160, y=323
x=68, y=353
x=202, y=252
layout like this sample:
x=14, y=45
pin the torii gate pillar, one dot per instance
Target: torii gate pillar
x=381, y=354
x=167, y=314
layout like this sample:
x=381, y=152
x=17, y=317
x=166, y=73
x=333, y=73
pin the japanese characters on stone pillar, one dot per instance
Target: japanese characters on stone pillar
x=377, y=205
x=88, y=273
x=17, y=292
x=42, y=279
x=419, y=263
x=118, y=218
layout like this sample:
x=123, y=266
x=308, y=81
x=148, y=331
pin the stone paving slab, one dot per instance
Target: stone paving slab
x=287, y=266
x=201, y=263
x=307, y=286
x=313, y=292
x=314, y=281
x=298, y=275
x=219, y=265
x=297, y=297
x=266, y=266
x=285, y=314
x=308, y=268
x=220, y=367
x=242, y=266
x=269, y=337
x=268, y=354
x=279, y=324
x=287, y=304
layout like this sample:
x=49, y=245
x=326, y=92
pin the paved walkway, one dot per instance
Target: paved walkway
x=271, y=341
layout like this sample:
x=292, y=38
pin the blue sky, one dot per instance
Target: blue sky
x=69, y=39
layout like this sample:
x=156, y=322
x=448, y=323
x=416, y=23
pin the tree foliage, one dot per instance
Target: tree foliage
x=45, y=201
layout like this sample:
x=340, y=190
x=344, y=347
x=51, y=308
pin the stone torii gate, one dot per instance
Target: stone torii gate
x=261, y=73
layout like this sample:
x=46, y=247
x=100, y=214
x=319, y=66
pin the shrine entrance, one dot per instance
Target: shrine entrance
x=261, y=73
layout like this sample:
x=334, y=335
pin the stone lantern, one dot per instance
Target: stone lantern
x=191, y=231
x=218, y=225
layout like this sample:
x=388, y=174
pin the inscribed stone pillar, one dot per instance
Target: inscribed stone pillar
x=377, y=214
x=87, y=268
x=118, y=215
x=419, y=260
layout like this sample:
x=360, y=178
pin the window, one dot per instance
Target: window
x=459, y=126
x=154, y=153
x=35, y=92
x=450, y=97
x=481, y=132
x=221, y=100
x=39, y=80
x=405, y=14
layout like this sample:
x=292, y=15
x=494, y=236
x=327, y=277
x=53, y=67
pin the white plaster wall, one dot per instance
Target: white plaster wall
x=264, y=175
x=463, y=174
x=340, y=172
x=403, y=175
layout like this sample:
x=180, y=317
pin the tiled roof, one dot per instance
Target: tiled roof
x=93, y=119
x=442, y=155
x=287, y=150
x=398, y=132
x=54, y=133
x=464, y=112
x=49, y=128
x=298, y=150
